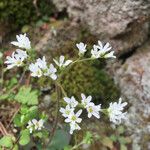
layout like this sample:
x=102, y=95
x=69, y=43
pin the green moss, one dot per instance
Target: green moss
x=87, y=78
x=20, y=12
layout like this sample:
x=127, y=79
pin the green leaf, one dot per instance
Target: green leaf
x=88, y=138
x=17, y=120
x=60, y=140
x=24, y=110
x=15, y=147
x=4, y=97
x=13, y=81
x=26, y=96
x=68, y=147
x=38, y=134
x=26, y=114
x=25, y=137
x=113, y=138
x=6, y=141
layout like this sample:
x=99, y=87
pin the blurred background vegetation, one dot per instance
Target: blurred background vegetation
x=17, y=13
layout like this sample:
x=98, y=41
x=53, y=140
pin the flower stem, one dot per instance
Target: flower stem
x=82, y=60
x=57, y=115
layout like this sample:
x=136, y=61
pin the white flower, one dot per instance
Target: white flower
x=22, y=41
x=95, y=52
x=38, y=125
x=74, y=126
x=30, y=126
x=74, y=119
x=91, y=108
x=35, y=125
x=40, y=68
x=62, y=62
x=71, y=101
x=94, y=110
x=16, y=59
x=115, y=111
x=104, y=48
x=110, y=55
x=66, y=111
x=42, y=63
x=100, y=51
x=52, y=72
x=86, y=100
x=35, y=70
x=82, y=48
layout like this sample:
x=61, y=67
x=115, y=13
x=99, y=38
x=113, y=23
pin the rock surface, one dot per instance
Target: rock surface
x=133, y=78
x=60, y=33
x=120, y=21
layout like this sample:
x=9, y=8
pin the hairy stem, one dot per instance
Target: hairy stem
x=57, y=116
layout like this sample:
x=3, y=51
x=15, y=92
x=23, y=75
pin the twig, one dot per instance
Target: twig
x=2, y=77
x=3, y=129
x=14, y=116
x=62, y=89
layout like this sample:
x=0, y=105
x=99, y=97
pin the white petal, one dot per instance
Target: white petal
x=53, y=76
x=79, y=113
x=61, y=59
x=34, y=121
x=56, y=62
x=67, y=62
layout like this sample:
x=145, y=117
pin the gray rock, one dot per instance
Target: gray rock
x=120, y=21
x=47, y=100
x=57, y=36
x=133, y=78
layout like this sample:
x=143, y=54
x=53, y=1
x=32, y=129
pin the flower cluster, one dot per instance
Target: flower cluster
x=35, y=125
x=18, y=56
x=82, y=48
x=70, y=115
x=40, y=68
x=16, y=59
x=114, y=111
x=22, y=41
x=61, y=62
x=91, y=108
x=98, y=51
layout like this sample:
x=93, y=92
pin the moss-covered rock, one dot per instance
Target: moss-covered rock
x=86, y=78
